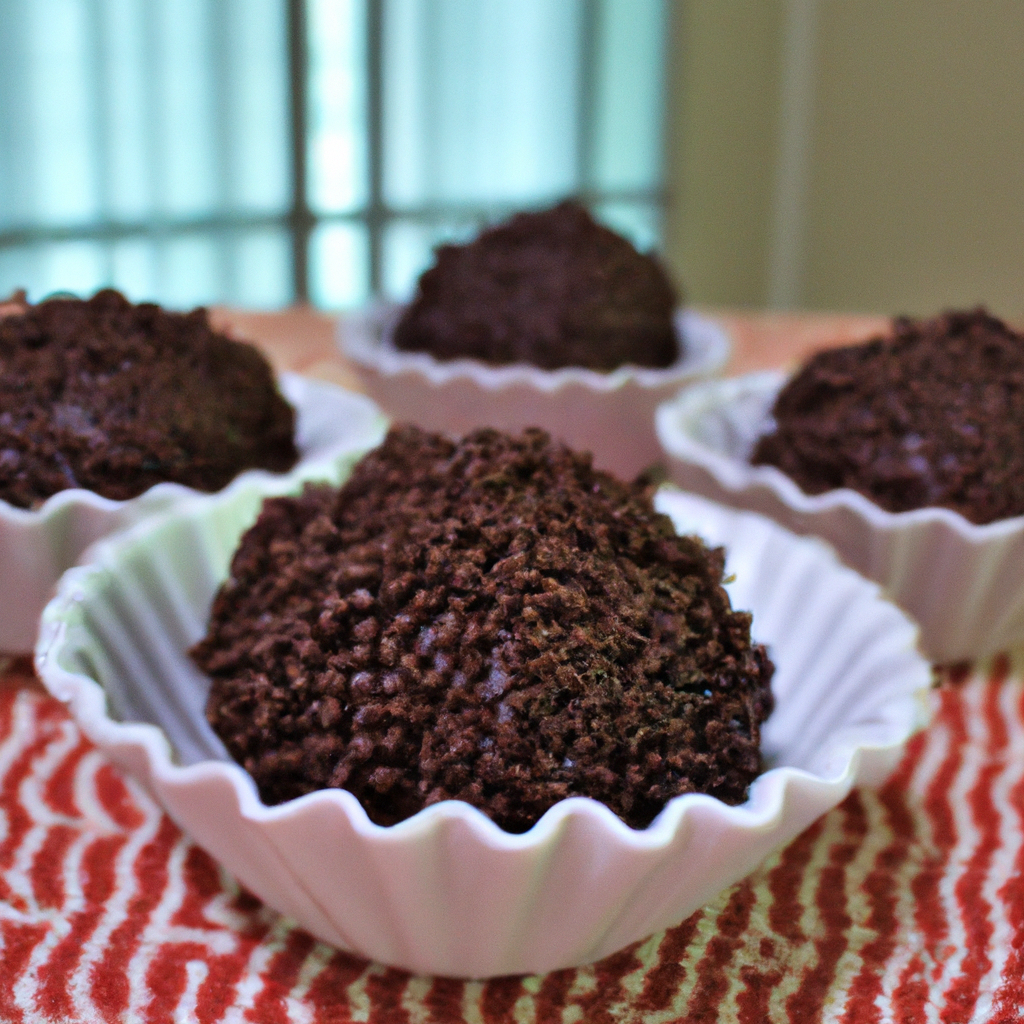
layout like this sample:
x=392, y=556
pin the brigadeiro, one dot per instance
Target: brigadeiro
x=931, y=415
x=488, y=620
x=552, y=289
x=114, y=397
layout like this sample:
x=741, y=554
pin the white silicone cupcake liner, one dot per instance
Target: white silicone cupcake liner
x=37, y=545
x=446, y=891
x=609, y=414
x=963, y=583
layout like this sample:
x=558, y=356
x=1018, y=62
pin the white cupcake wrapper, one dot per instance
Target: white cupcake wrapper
x=447, y=892
x=609, y=414
x=963, y=583
x=37, y=545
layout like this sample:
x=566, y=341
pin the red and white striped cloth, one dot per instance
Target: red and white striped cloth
x=903, y=905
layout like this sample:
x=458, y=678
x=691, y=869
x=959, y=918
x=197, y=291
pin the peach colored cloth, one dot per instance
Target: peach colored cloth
x=302, y=338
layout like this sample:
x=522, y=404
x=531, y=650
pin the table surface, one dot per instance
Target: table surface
x=905, y=904
x=303, y=339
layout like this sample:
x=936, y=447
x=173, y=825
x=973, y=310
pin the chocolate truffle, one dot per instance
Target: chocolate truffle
x=489, y=620
x=115, y=397
x=552, y=289
x=932, y=415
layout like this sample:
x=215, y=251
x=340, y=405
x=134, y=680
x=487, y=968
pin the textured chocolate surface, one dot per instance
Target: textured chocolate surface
x=552, y=289
x=932, y=415
x=491, y=621
x=115, y=397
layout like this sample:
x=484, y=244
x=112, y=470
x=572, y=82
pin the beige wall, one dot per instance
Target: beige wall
x=721, y=147
x=861, y=155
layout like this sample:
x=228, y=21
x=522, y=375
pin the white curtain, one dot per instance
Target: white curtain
x=146, y=143
x=125, y=121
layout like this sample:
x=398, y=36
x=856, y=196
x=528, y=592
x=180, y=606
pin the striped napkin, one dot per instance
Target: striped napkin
x=901, y=905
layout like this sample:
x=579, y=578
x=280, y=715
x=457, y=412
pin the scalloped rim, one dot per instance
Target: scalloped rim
x=364, y=338
x=673, y=417
x=446, y=927
x=763, y=808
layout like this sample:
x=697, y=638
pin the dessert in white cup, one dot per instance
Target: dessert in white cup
x=446, y=891
x=962, y=582
x=548, y=320
x=37, y=545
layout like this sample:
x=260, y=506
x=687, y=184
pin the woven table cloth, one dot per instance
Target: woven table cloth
x=905, y=904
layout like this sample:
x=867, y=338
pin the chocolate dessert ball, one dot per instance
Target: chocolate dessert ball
x=932, y=415
x=552, y=289
x=489, y=620
x=115, y=397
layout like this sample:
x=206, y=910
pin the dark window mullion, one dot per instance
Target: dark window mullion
x=155, y=227
x=666, y=82
x=300, y=219
x=376, y=215
x=163, y=227
x=587, y=100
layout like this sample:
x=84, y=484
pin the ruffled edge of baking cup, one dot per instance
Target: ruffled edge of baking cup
x=447, y=892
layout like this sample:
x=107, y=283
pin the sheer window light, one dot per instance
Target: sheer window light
x=150, y=144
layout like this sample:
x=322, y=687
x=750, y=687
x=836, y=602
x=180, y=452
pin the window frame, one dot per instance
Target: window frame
x=299, y=220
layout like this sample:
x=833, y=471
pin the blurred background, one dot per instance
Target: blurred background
x=853, y=155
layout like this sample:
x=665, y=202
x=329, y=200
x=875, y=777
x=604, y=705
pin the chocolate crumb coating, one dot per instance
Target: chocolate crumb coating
x=489, y=620
x=115, y=397
x=552, y=289
x=931, y=416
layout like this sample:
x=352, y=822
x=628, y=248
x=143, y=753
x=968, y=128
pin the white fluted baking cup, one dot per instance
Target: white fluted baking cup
x=37, y=545
x=963, y=583
x=446, y=891
x=609, y=414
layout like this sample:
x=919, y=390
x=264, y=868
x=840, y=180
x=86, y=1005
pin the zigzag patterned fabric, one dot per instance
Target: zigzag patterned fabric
x=902, y=905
